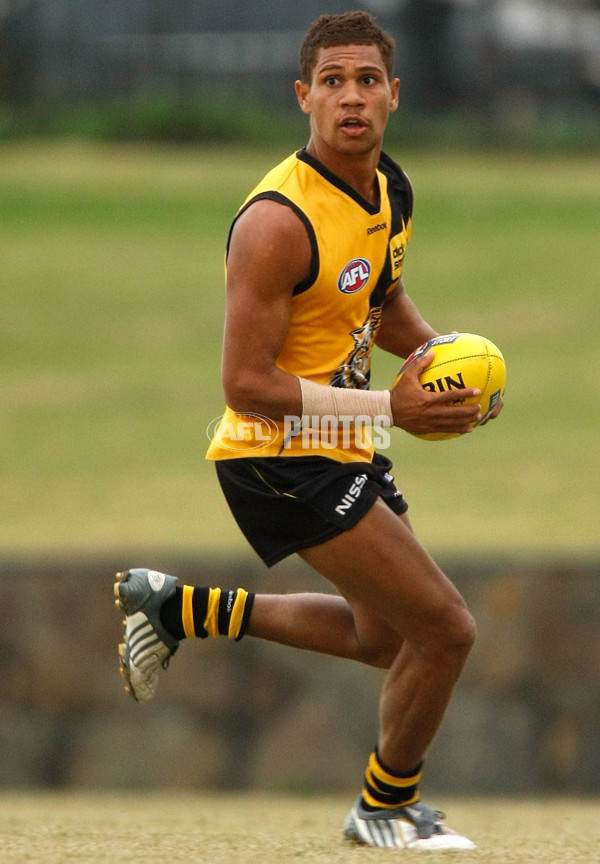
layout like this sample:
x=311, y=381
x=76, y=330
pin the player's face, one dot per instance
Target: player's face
x=349, y=98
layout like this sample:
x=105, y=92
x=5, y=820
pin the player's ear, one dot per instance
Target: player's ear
x=395, y=88
x=302, y=91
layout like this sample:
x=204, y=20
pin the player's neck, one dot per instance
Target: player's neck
x=358, y=171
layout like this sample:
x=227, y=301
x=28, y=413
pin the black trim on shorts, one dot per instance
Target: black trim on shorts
x=283, y=504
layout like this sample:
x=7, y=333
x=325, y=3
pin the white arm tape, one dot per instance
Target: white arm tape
x=321, y=400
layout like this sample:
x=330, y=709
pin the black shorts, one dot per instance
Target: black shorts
x=283, y=504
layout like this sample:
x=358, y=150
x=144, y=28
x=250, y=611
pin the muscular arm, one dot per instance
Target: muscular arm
x=402, y=326
x=269, y=254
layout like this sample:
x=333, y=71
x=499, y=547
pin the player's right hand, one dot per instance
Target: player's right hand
x=422, y=412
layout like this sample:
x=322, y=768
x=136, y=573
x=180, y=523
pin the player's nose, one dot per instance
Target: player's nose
x=351, y=94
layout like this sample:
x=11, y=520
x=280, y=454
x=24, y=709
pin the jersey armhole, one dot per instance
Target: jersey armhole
x=313, y=271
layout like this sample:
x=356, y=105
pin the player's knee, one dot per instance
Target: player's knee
x=456, y=631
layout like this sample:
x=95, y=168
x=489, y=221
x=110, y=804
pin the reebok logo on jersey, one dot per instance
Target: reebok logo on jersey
x=381, y=227
x=354, y=276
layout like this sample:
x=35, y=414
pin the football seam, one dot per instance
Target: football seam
x=454, y=360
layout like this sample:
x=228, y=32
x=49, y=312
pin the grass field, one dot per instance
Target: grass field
x=277, y=830
x=112, y=281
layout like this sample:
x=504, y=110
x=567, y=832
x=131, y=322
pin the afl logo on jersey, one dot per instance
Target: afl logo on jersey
x=354, y=276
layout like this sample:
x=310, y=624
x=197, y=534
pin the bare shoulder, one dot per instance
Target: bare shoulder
x=269, y=216
x=268, y=235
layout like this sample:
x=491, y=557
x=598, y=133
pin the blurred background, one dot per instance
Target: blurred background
x=506, y=66
x=130, y=132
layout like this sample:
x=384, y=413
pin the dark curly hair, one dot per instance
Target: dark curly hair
x=350, y=28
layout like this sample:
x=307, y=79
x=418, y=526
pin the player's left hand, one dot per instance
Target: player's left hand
x=493, y=414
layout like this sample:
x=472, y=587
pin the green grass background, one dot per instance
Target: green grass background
x=111, y=269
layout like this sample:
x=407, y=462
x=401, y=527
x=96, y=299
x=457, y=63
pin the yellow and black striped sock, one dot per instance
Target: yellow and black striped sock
x=383, y=790
x=202, y=612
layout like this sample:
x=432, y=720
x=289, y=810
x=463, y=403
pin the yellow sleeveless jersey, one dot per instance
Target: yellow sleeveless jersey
x=357, y=256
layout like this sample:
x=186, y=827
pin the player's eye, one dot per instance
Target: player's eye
x=331, y=80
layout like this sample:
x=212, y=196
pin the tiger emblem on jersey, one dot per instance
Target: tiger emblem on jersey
x=354, y=371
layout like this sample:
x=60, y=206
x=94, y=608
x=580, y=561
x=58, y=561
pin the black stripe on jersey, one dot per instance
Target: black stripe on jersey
x=378, y=293
x=314, y=249
x=400, y=194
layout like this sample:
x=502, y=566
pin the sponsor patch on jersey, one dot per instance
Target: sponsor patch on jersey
x=354, y=276
x=397, y=252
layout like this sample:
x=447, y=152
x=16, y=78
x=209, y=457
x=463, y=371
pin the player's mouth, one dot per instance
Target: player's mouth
x=353, y=126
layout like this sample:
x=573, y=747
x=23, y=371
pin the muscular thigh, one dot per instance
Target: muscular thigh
x=388, y=578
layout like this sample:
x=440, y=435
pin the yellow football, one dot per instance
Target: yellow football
x=461, y=360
